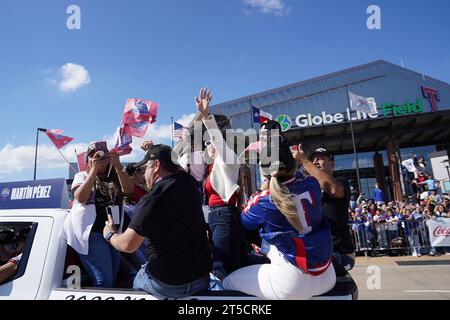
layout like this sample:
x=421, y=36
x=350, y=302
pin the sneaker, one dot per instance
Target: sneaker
x=419, y=254
x=214, y=283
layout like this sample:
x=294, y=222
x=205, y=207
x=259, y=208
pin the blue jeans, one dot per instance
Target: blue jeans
x=102, y=262
x=228, y=240
x=363, y=241
x=144, y=281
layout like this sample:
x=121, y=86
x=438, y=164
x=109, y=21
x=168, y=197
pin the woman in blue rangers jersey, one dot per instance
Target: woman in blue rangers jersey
x=290, y=217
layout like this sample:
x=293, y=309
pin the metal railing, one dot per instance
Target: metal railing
x=407, y=237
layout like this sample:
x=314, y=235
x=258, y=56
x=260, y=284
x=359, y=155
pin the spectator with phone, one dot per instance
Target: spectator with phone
x=98, y=192
x=170, y=218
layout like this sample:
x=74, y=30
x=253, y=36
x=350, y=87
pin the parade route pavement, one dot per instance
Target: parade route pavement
x=403, y=278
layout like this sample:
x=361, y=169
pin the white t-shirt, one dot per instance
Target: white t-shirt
x=196, y=164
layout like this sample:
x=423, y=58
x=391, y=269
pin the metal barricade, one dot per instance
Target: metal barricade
x=404, y=237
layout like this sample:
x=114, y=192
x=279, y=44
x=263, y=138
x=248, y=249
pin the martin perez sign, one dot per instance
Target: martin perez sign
x=324, y=118
x=34, y=194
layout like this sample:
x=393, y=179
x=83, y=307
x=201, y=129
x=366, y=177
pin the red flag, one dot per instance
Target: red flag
x=82, y=161
x=138, y=114
x=255, y=146
x=123, y=144
x=57, y=138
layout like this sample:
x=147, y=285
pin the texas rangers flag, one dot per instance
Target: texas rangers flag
x=260, y=116
x=57, y=138
x=123, y=143
x=138, y=114
x=358, y=103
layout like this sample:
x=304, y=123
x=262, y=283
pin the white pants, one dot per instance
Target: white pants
x=279, y=280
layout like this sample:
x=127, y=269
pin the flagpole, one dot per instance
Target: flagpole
x=70, y=165
x=353, y=139
x=252, y=126
x=76, y=156
x=171, y=119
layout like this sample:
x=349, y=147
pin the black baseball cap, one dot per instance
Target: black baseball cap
x=7, y=236
x=322, y=151
x=271, y=125
x=285, y=162
x=97, y=146
x=159, y=152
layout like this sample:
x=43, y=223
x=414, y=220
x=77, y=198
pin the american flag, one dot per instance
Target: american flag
x=180, y=131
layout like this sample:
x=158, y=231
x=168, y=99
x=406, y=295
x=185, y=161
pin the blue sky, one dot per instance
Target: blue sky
x=166, y=50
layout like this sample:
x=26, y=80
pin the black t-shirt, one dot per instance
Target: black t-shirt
x=336, y=212
x=170, y=216
x=107, y=192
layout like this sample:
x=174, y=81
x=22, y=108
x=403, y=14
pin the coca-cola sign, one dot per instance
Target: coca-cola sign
x=440, y=231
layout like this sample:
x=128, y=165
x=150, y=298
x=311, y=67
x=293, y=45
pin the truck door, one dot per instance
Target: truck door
x=37, y=231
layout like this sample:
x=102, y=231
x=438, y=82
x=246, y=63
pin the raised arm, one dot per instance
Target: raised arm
x=83, y=192
x=222, y=149
x=327, y=182
x=126, y=183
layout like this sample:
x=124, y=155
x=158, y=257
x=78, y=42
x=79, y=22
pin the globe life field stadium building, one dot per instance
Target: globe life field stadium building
x=413, y=118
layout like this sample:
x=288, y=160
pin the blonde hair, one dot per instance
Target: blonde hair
x=283, y=198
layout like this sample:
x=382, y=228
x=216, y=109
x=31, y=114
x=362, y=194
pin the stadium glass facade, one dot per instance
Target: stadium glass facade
x=412, y=119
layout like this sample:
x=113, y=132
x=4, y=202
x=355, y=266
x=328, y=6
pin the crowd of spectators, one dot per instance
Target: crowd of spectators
x=389, y=225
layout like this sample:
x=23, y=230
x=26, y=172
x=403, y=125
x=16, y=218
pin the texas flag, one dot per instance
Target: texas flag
x=260, y=116
x=57, y=138
x=138, y=114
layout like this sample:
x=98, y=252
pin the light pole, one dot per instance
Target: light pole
x=36, y=149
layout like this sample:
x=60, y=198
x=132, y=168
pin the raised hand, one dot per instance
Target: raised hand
x=146, y=145
x=98, y=161
x=114, y=160
x=299, y=155
x=202, y=101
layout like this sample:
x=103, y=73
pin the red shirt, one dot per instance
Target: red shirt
x=213, y=197
x=138, y=193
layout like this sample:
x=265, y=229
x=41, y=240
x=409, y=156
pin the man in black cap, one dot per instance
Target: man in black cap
x=170, y=217
x=335, y=203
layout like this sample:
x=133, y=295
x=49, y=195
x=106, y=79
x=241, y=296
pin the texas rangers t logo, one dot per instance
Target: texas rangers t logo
x=433, y=96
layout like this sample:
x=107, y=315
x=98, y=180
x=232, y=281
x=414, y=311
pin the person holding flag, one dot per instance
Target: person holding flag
x=137, y=116
x=98, y=193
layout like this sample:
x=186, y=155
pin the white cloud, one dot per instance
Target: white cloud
x=276, y=7
x=15, y=159
x=74, y=76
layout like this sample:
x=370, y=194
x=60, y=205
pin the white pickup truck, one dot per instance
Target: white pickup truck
x=43, y=269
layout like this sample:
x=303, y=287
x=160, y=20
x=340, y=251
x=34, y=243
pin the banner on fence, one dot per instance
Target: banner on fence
x=439, y=232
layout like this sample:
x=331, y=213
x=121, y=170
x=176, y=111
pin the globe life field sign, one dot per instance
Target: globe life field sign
x=324, y=118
